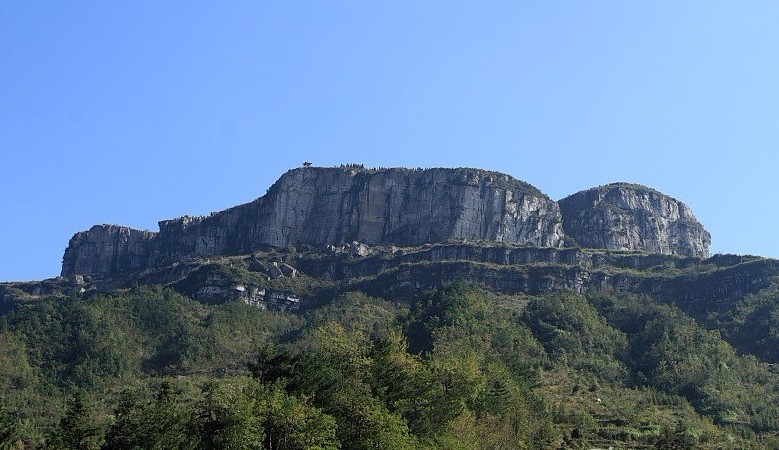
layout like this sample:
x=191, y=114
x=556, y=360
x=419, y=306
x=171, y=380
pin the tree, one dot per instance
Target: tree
x=674, y=438
x=76, y=430
x=155, y=425
x=293, y=424
x=408, y=388
x=225, y=418
x=10, y=428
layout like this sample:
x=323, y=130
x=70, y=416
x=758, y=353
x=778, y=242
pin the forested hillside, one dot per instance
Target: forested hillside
x=398, y=309
x=457, y=367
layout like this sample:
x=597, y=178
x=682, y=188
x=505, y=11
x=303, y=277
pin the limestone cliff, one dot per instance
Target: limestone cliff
x=108, y=249
x=322, y=206
x=623, y=216
x=402, y=207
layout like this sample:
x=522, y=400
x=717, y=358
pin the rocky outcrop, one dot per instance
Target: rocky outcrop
x=353, y=208
x=623, y=216
x=698, y=293
x=108, y=249
x=321, y=206
x=326, y=206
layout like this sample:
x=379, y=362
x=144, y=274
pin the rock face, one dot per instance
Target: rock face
x=404, y=207
x=326, y=206
x=108, y=249
x=353, y=207
x=623, y=216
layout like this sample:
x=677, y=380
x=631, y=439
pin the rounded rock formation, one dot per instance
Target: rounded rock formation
x=623, y=216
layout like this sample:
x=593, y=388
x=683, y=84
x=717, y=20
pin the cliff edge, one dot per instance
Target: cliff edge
x=329, y=206
x=403, y=207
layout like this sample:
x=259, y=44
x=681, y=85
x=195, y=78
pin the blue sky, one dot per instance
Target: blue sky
x=133, y=112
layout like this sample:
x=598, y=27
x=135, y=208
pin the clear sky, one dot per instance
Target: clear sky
x=132, y=112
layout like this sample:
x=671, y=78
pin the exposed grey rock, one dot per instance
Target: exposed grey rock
x=108, y=249
x=275, y=271
x=321, y=206
x=359, y=211
x=288, y=270
x=256, y=298
x=623, y=216
x=256, y=265
x=334, y=206
x=282, y=301
x=359, y=249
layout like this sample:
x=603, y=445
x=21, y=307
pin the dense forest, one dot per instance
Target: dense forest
x=461, y=367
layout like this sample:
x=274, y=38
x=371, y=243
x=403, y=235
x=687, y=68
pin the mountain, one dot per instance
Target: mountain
x=323, y=206
x=622, y=216
x=420, y=229
x=402, y=207
x=398, y=308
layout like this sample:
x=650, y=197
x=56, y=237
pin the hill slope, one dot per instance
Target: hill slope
x=209, y=334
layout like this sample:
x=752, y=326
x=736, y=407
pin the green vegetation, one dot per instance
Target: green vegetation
x=457, y=368
x=752, y=324
x=634, y=186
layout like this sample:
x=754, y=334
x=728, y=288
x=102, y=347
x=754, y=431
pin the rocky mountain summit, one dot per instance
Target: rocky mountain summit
x=622, y=216
x=317, y=206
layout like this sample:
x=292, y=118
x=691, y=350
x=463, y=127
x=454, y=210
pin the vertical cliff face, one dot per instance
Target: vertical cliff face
x=108, y=249
x=403, y=207
x=320, y=206
x=623, y=216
